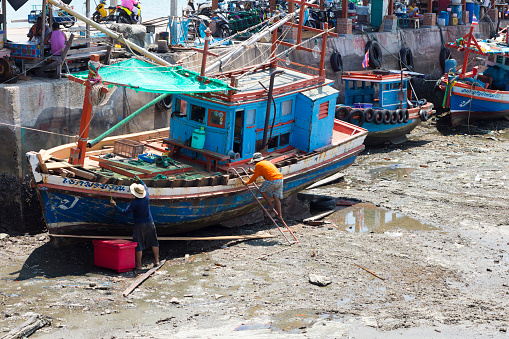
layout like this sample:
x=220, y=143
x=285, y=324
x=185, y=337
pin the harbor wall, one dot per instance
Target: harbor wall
x=53, y=106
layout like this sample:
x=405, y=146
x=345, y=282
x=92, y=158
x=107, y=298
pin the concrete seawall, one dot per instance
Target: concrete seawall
x=55, y=106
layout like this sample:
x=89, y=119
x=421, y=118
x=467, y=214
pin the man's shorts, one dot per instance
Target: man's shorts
x=273, y=187
x=145, y=235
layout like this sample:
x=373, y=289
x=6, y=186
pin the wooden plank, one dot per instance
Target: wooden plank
x=42, y=165
x=57, y=165
x=222, y=237
x=121, y=165
x=82, y=174
x=142, y=278
x=318, y=216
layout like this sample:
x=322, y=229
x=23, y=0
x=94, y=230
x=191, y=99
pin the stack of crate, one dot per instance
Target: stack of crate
x=429, y=19
x=344, y=26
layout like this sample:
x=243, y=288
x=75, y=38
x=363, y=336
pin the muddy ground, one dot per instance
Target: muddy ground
x=432, y=224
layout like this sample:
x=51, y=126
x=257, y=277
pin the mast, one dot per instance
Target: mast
x=110, y=33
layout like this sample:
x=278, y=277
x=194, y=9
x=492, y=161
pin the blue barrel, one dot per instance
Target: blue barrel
x=450, y=65
x=470, y=7
x=198, y=140
x=476, y=11
x=457, y=9
x=444, y=15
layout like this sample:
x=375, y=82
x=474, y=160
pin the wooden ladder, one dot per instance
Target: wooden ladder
x=292, y=239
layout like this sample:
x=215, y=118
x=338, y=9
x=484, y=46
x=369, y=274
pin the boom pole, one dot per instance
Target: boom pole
x=110, y=33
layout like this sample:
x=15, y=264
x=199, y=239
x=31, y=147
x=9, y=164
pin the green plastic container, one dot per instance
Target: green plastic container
x=198, y=140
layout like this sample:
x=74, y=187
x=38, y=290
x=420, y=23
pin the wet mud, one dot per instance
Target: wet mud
x=422, y=255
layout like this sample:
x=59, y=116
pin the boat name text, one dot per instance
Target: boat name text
x=93, y=185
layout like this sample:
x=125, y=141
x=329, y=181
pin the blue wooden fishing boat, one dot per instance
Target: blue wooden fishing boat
x=381, y=102
x=478, y=95
x=215, y=127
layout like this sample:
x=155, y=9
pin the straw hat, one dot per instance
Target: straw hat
x=257, y=157
x=138, y=190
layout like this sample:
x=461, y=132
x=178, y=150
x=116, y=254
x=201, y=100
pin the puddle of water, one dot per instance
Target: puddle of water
x=408, y=297
x=343, y=301
x=361, y=218
x=293, y=320
x=393, y=171
x=249, y=327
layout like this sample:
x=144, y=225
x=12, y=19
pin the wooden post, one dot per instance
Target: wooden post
x=390, y=10
x=301, y=20
x=273, y=46
x=291, y=7
x=215, y=5
x=463, y=6
x=43, y=29
x=4, y=14
x=321, y=5
x=430, y=6
x=50, y=15
x=467, y=51
x=87, y=13
x=364, y=2
x=205, y=52
x=86, y=115
x=321, y=72
x=272, y=6
x=344, y=9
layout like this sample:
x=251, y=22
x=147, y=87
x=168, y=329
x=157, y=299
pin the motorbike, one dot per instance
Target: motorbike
x=217, y=21
x=103, y=13
x=126, y=16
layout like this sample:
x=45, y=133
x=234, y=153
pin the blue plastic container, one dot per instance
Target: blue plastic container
x=450, y=64
x=362, y=105
x=198, y=140
x=444, y=15
x=472, y=9
x=457, y=9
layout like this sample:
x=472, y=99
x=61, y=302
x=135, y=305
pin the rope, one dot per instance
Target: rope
x=38, y=130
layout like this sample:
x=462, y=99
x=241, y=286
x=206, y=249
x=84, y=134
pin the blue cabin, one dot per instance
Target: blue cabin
x=303, y=119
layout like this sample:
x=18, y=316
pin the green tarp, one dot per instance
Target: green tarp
x=146, y=77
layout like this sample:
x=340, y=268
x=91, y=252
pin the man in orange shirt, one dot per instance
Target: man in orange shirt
x=273, y=184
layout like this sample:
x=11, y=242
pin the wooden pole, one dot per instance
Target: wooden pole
x=463, y=6
x=321, y=72
x=272, y=6
x=43, y=29
x=142, y=278
x=365, y=269
x=205, y=52
x=390, y=10
x=430, y=6
x=301, y=20
x=223, y=237
x=344, y=9
x=321, y=5
x=273, y=46
x=87, y=13
x=4, y=15
x=86, y=115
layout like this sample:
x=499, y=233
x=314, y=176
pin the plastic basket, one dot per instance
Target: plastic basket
x=362, y=105
x=148, y=157
x=128, y=148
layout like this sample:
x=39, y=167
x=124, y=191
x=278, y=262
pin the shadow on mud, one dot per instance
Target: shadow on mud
x=76, y=258
x=443, y=125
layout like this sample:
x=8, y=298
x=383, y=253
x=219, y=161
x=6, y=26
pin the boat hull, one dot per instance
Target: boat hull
x=74, y=206
x=379, y=134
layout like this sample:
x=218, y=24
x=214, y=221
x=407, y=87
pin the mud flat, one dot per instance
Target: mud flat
x=432, y=225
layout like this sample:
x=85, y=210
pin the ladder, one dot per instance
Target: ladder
x=292, y=239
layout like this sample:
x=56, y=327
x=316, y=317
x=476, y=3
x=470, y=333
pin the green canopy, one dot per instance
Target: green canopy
x=146, y=77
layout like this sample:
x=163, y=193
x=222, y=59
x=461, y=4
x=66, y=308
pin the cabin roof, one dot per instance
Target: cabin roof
x=319, y=92
x=251, y=82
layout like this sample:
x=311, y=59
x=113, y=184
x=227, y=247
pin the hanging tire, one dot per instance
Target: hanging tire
x=406, y=58
x=375, y=54
x=166, y=103
x=356, y=114
x=224, y=31
x=407, y=116
x=394, y=117
x=369, y=115
x=444, y=55
x=336, y=62
x=423, y=114
x=422, y=102
x=401, y=115
x=341, y=113
x=387, y=116
x=379, y=117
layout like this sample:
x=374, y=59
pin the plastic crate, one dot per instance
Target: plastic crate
x=128, y=148
x=362, y=105
x=148, y=157
x=118, y=255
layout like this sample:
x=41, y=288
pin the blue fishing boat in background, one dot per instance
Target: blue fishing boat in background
x=194, y=169
x=381, y=102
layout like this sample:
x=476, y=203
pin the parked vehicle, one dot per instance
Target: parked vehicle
x=59, y=16
x=103, y=13
x=126, y=16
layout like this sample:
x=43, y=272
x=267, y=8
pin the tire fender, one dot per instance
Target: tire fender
x=379, y=117
x=407, y=58
x=375, y=54
x=395, y=116
x=402, y=114
x=387, y=116
x=369, y=115
x=342, y=113
x=423, y=114
x=336, y=62
x=354, y=114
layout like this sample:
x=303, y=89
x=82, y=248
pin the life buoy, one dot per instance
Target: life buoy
x=369, y=115
x=341, y=113
x=406, y=58
x=356, y=114
x=387, y=117
x=423, y=114
x=336, y=62
x=375, y=54
x=407, y=116
x=379, y=117
x=402, y=114
x=394, y=117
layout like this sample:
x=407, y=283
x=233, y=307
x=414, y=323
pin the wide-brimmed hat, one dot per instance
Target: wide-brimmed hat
x=257, y=157
x=138, y=190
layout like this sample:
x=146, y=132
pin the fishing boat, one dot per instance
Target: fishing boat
x=194, y=169
x=478, y=95
x=381, y=102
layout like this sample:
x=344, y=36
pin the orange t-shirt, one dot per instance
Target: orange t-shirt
x=267, y=170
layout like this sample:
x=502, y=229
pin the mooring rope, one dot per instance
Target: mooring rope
x=38, y=130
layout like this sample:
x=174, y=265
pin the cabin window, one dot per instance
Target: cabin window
x=273, y=142
x=500, y=59
x=323, y=112
x=491, y=57
x=284, y=139
x=198, y=113
x=386, y=87
x=286, y=107
x=216, y=118
x=250, y=117
x=395, y=85
x=351, y=84
x=506, y=61
x=180, y=107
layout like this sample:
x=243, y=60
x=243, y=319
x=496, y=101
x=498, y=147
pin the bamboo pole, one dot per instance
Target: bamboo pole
x=365, y=269
x=142, y=278
x=110, y=33
x=223, y=237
